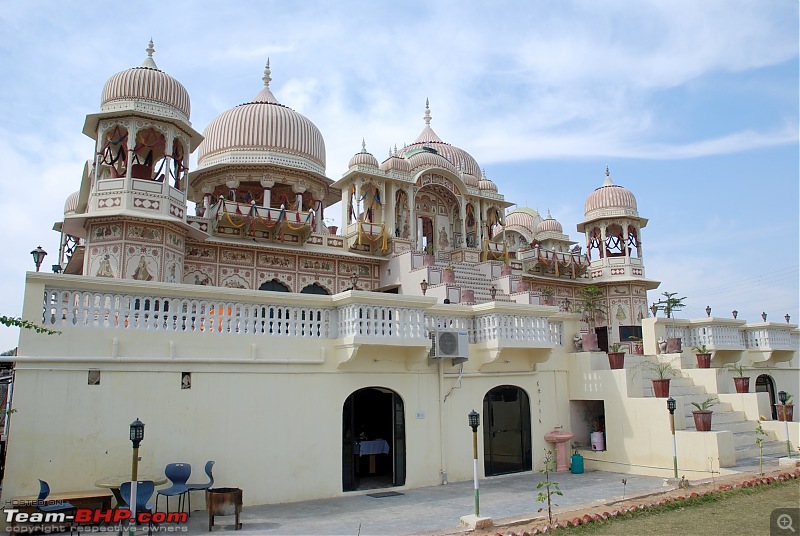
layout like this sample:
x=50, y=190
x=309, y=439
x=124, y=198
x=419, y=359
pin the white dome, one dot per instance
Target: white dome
x=549, y=224
x=71, y=204
x=363, y=158
x=610, y=197
x=263, y=131
x=146, y=89
x=395, y=163
x=427, y=158
x=525, y=219
x=470, y=180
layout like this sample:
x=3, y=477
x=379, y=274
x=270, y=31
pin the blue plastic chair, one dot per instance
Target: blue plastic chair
x=61, y=507
x=144, y=492
x=197, y=487
x=178, y=474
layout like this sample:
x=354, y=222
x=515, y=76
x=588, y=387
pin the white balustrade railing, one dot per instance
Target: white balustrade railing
x=557, y=333
x=677, y=332
x=160, y=313
x=769, y=339
x=455, y=323
x=715, y=337
x=357, y=319
x=522, y=328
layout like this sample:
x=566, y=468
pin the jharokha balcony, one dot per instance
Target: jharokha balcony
x=231, y=218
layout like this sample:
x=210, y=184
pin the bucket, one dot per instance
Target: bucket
x=577, y=464
x=598, y=441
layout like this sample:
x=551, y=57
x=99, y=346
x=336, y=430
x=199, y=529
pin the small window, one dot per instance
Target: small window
x=186, y=380
x=94, y=377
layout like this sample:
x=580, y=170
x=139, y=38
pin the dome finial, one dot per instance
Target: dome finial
x=427, y=113
x=549, y=217
x=149, y=62
x=608, y=181
x=266, y=78
x=363, y=145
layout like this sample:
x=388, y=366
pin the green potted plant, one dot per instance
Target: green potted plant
x=638, y=345
x=703, y=355
x=786, y=409
x=616, y=357
x=670, y=304
x=702, y=415
x=592, y=305
x=547, y=296
x=740, y=381
x=664, y=371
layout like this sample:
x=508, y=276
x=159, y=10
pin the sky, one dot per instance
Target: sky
x=693, y=106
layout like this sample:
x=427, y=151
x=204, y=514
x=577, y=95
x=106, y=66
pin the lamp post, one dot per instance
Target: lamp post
x=423, y=285
x=137, y=434
x=735, y=313
x=474, y=422
x=783, y=397
x=493, y=292
x=763, y=316
x=671, y=405
x=787, y=317
x=708, y=311
x=38, y=255
x=654, y=309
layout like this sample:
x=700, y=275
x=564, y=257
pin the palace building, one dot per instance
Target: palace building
x=221, y=307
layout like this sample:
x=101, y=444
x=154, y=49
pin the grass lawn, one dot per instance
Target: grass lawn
x=740, y=511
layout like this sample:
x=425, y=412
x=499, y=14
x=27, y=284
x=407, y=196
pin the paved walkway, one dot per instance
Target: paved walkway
x=436, y=509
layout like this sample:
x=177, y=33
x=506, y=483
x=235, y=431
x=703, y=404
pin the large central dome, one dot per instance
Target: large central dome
x=460, y=158
x=263, y=131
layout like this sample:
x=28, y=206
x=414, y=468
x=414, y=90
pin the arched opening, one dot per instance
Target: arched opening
x=275, y=286
x=615, y=244
x=594, y=245
x=148, y=160
x=506, y=431
x=373, y=440
x=315, y=288
x=633, y=242
x=765, y=384
x=114, y=153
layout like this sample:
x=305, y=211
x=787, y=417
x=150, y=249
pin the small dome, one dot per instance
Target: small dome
x=363, y=158
x=610, y=196
x=428, y=158
x=71, y=204
x=470, y=180
x=263, y=131
x=525, y=218
x=395, y=163
x=146, y=89
x=549, y=224
x=486, y=184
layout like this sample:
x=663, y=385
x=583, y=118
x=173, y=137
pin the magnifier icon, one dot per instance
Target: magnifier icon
x=784, y=522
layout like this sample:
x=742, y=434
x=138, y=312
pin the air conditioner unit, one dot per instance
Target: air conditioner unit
x=454, y=344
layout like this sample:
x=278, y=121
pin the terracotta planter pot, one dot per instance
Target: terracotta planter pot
x=674, y=345
x=333, y=229
x=428, y=260
x=506, y=270
x=785, y=412
x=523, y=286
x=467, y=295
x=449, y=276
x=638, y=348
x=616, y=360
x=702, y=420
x=661, y=388
x=548, y=300
x=703, y=360
x=742, y=384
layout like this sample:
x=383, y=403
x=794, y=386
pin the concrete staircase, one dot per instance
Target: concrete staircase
x=471, y=277
x=685, y=391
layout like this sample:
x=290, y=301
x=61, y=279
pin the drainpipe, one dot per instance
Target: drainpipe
x=442, y=434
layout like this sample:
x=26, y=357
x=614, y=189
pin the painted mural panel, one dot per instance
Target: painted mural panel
x=199, y=274
x=104, y=260
x=105, y=232
x=275, y=260
x=145, y=233
x=232, y=277
x=142, y=263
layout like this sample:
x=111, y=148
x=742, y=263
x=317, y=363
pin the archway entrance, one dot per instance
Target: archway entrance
x=373, y=440
x=765, y=384
x=506, y=431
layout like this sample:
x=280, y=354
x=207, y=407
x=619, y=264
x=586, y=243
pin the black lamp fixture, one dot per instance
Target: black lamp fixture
x=475, y=420
x=735, y=313
x=137, y=433
x=423, y=285
x=708, y=311
x=782, y=396
x=654, y=309
x=763, y=316
x=671, y=405
x=787, y=317
x=353, y=281
x=493, y=292
x=56, y=268
x=38, y=255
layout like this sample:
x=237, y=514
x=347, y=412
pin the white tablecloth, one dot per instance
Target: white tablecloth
x=376, y=446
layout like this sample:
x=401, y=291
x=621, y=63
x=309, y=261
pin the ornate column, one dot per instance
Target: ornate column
x=298, y=190
x=267, y=182
x=463, y=214
x=232, y=184
x=603, y=250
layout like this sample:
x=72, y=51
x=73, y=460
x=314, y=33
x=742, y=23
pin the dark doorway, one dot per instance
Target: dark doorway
x=274, y=285
x=602, y=338
x=373, y=440
x=315, y=288
x=506, y=431
x=765, y=384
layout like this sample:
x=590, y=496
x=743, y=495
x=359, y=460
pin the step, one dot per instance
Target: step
x=720, y=418
x=769, y=448
x=676, y=390
x=744, y=439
